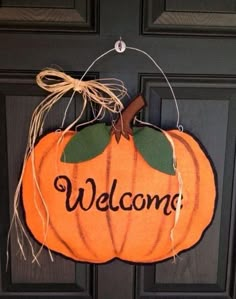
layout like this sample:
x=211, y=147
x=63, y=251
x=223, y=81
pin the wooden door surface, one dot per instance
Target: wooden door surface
x=195, y=44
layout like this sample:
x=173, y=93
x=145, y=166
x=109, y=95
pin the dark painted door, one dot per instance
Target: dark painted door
x=194, y=42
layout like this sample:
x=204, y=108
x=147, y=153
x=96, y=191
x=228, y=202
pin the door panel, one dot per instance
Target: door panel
x=202, y=71
x=47, y=15
x=205, y=18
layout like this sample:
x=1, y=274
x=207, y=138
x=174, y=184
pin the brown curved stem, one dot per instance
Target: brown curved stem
x=123, y=124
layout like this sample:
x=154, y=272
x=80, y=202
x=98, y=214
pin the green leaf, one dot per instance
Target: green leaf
x=86, y=144
x=155, y=149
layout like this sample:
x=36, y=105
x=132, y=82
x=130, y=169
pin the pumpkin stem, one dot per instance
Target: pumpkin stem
x=123, y=124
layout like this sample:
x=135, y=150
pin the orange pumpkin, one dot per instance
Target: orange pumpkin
x=116, y=204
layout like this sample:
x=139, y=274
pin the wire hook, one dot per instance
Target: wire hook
x=120, y=46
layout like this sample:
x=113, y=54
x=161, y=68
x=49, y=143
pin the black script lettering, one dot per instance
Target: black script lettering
x=123, y=207
x=113, y=187
x=70, y=207
x=100, y=200
x=174, y=201
x=158, y=202
x=80, y=198
x=135, y=202
x=104, y=201
x=59, y=186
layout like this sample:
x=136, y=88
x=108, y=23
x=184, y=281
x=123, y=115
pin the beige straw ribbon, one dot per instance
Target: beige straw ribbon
x=105, y=92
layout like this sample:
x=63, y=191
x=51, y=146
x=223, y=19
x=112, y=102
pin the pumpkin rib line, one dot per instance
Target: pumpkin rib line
x=129, y=214
x=62, y=241
x=83, y=238
x=158, y=235
x=50, y=224
x=108, y=217
x=78, y=222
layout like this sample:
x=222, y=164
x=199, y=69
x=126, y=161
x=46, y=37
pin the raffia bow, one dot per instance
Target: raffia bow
x=105, y=92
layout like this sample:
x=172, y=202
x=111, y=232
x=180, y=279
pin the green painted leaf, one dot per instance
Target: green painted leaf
x=86, y=144
x=154, y=148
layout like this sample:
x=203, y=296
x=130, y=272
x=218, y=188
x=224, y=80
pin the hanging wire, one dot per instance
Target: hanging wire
x=120, y=47
x=178, y=125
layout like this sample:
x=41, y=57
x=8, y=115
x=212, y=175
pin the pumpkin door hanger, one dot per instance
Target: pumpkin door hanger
x=135, y=193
